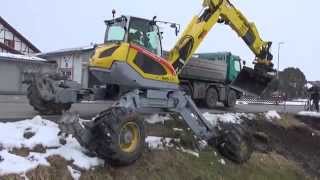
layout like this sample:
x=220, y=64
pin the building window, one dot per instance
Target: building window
x=67, y=72
x=9, y=43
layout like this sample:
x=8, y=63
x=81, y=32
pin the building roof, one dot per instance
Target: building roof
x=20, y=36
x=15, y=57
x=68, y=51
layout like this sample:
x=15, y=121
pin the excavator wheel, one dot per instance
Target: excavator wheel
x=236, y=143
x=43, y=106
x=119, y=136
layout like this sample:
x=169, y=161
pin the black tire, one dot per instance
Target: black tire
x=235, y=143
x=211, y=98
x=108, y=132
x=231, y=100
x=42, y=106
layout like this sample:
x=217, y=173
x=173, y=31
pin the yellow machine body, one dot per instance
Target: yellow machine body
x=126, y=53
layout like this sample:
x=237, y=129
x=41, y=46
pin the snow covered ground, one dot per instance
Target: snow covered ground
x=295, y=102
x=37, y=131
x=227, y=118
x=271, y=115
x=31, y=133
x=309, y=113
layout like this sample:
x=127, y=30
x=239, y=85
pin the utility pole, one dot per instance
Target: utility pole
x=278, y=70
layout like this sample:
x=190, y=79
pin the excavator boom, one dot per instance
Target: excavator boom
x=222, y=11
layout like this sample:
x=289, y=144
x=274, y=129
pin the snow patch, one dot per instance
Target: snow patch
x=11, y=163
x=242, y=103
x=154, y=142
x=222, y=161
x=74, y=173
x=271, y=115
x=226, y=118
x=157, y=118
x=309, y=113
x=45, y=134
x=193, y=153
x=12, y=134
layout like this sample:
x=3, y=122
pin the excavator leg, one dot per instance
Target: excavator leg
x=117, y=134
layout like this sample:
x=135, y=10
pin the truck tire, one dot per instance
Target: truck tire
x=42, y=106
x=235, y=144
x=211, y=98
x=119, y=136
x=231, y=99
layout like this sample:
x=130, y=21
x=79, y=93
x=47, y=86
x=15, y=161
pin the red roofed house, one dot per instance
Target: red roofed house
x=11, y=41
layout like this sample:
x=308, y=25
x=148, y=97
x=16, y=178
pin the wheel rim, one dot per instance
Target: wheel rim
x=129, y=137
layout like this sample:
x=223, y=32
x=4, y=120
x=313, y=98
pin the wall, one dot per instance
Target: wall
x=73, y=64
x=12, y=73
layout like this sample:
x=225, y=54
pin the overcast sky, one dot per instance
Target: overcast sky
x=57, y=24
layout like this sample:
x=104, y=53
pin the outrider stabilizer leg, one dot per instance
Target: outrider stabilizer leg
x=117, y=134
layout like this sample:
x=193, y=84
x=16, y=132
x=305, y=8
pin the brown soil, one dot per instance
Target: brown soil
x=299, y=143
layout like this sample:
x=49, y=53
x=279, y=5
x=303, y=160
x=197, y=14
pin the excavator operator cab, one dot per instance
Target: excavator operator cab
x=133, y=30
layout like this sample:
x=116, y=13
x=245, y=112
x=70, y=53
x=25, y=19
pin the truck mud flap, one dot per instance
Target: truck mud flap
x=251, y=82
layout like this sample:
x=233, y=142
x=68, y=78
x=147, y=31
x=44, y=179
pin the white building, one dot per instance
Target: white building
x=72, y=62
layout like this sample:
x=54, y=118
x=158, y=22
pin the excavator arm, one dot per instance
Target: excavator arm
x=220, y=11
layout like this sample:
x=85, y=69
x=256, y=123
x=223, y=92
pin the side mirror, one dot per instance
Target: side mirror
x=244, y=63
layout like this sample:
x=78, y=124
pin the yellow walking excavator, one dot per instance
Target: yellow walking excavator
x=132, y=57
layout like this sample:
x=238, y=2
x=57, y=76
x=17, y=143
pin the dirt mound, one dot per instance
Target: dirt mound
x=299, y=143
x=313, y=122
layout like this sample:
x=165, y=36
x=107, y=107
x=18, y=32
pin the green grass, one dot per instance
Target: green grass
x=175, y=165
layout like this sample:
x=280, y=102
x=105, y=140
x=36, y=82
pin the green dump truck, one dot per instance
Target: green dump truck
x=207, y=78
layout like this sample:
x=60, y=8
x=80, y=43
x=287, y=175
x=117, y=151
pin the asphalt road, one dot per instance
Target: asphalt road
x=13, y=111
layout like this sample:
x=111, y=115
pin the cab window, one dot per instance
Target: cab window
x=237, y=66
x=115, y=33
x=143, y=33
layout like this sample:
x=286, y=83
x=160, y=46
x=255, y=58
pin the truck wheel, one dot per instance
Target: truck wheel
x=231, y=99
x=42, y=106
x=119, y=136
x=211, y=98
x=235, y=144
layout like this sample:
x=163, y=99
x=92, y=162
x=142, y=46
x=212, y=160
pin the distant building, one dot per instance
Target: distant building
x=72, y=62
x=11, y=41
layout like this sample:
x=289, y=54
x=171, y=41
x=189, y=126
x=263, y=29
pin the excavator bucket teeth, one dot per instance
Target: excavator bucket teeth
x=252, y=82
